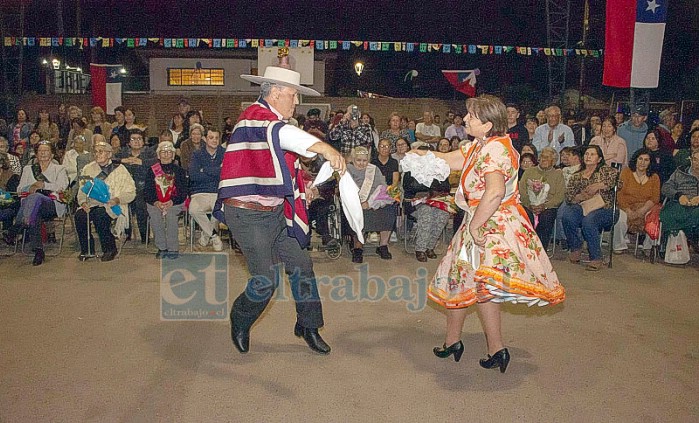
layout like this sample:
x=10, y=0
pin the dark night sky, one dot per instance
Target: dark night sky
x=493, y=22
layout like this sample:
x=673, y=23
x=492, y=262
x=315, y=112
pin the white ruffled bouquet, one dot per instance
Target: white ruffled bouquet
x=538, y=191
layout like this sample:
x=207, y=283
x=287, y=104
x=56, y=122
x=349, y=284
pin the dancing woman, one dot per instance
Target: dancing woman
x=495, y=256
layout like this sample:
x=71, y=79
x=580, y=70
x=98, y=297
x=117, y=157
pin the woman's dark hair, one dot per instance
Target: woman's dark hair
x=38, y=117
x=658, y=137
x=636, y=155
x=599, y=153
x=611, y=119
x=81, y=123
x=536, y=153
x=121, y=109
x=573, y=151
x=192, y=113
x=529, y=156
x=32, y=133
x=172, y=126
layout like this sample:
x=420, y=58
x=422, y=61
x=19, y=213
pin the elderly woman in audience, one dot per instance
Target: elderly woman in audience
x=431, y=211
x=542, y=190
x=13, y=162
x=79, y=129
x=45, y=127
x=122, y=191
x=402, y=147
x=138, y=159
x=369, y=178
x=661, y=161
x=9, y=181
x=43, y=183
x=681, y=211
x=191, y=144
x=165, y=190
x=613, y=146
x=590, y=193
x=98, y=122
x=394, y=131
x=682, y=156
x=70, y=159
x=639, y=191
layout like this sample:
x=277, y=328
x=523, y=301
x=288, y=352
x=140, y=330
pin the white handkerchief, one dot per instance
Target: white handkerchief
x=425, y=168
x=349, y=195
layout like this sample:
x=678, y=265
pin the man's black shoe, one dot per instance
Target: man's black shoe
x=38, y=257
x=312, y=338
x=109, y=255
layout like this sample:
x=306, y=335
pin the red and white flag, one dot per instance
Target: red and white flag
x=634, y=42
x=463, y=80
x=106, y=86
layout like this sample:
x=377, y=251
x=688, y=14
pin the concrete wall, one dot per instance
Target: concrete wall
x=155, y=110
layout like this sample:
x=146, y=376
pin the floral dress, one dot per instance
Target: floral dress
x=513, y=265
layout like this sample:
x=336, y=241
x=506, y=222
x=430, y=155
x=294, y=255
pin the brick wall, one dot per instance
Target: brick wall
x=155, y=110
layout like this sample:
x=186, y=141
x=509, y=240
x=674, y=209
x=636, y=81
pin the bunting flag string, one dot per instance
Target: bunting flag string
x=324, y=45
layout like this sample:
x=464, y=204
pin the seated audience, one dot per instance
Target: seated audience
x=20, y=129
x=30, y=150
x=138, y=159
x=526, y=160
x=681, y=211
x=98, y=122
x=165, y=190
x=394, y=131
x=429, y=206
x=79, y=129
x=593, y=178
x=661, y=161
x=682, y=156
x=178, y=130
x=13, y=162
x=542, y=190
x=444, y=145
x=518, y=133
x=314, y=124
x=103, y=215
x=204, y=176
x=191, y=144
x=119, y=127
x=401, y=148
x=45, y=127
x=9, y=181
x=43, y=183
x=115, y=142
x=613, y=146
x=456, y=129
x=639, y=191
x=368, y=178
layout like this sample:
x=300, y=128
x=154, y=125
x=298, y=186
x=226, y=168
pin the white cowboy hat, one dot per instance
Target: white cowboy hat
x=281, y=76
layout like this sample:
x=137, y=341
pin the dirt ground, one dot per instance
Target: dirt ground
x=84, y=342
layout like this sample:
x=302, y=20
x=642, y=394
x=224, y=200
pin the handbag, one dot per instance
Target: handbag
x=677, y=250
x=592, y=204
x=652, y=222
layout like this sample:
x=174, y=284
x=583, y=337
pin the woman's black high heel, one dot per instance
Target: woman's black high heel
x=500, y=359
x=444, y=352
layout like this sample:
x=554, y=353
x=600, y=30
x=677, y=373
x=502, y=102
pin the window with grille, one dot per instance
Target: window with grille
x=178, y=77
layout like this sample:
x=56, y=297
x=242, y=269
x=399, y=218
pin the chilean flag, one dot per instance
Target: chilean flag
x=106, y=86
x=634, y=42
x=463, y=80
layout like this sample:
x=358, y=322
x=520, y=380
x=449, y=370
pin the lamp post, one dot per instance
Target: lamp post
x=359, y=68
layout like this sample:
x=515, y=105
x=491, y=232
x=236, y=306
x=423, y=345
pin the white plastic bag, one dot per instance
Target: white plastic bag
x=677, y=250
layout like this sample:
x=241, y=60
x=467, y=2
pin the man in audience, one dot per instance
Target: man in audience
x=427, y=130
x=667, y=121
x=517, y=132
x=456, y=129
x=634, y=130
x=204, y=175
x=315, y=125
x=553, y=133
x=350, y=132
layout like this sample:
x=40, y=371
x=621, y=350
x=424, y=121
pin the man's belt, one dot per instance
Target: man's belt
x=249, y=205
